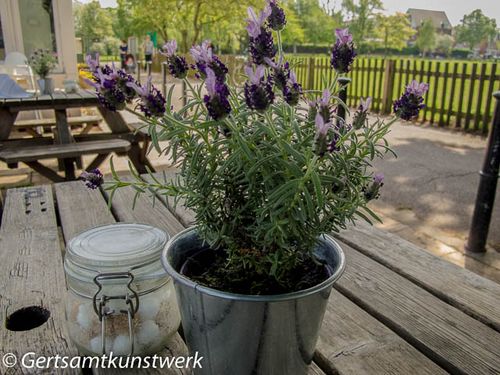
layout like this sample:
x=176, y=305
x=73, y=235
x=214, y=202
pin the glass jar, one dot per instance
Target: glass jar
x=119, y=291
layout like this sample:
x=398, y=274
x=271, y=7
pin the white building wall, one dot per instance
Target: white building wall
x=64, y=32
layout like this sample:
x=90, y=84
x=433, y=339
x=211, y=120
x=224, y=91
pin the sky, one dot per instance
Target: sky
x=455, y=9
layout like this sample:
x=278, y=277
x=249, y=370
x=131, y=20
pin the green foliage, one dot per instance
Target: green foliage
x=257, y=187
x=361, y=14
x=92, y=23
x=426, y=39
x=393, y=31
x=444, y=44
x=475, y=28
x=42, y=61
x=317, y=24
x=191, y=21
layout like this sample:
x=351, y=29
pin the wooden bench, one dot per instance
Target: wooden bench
x=31, y=125
x=30, y=155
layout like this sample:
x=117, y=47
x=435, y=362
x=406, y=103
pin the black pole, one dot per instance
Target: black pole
x=478, y=233
x=344, y=81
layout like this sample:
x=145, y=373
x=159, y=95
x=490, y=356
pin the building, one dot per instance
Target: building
x=30, y=24
x=439, y=19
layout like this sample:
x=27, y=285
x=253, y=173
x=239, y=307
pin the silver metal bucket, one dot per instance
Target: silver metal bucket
x=244, y=334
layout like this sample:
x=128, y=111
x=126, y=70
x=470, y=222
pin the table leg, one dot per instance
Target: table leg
x=135, y=156
x=7, y=119
x=64, y=137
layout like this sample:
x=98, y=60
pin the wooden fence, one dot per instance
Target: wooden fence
x=459, y=96
x=460, y=93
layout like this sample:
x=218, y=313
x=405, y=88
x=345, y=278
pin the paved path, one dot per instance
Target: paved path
x=431, y=186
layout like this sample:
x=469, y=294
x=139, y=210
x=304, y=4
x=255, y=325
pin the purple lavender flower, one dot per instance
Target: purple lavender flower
x=152, y=102
x=411, y=101
x=93, y=178
x=177, y=65
x=324, y=105
x=259, y=93
x=371, y=191
x=111, y=85
x=343, y=51
x=361, y=114
x=276, y=19
x=93, y=64
x=216, y=101
x=281, y=72
x=261, y=43
x=292, y=90
x=320, y=139
x=204, y=57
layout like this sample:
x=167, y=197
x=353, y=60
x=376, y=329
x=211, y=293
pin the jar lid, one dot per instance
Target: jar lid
x=119, y=247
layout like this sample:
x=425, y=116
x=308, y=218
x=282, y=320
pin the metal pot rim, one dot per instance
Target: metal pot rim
x=178, y=277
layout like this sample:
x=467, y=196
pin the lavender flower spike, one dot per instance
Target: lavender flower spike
x=324, y=106
x=292, y=90
x=176, y=64
x=258, y=91
x=320, y=140
x=343, y=36
x=93, y=178
x=411, y=101
x=170, y=48
x=418, y=89
x=360, y=116
x=152, y=101
x=343, y=51
x=372, y=190
x=276, y=19
x=204, y=58
x=91, y=63
x=216, y=101
x=256, y=23
x=261, y=43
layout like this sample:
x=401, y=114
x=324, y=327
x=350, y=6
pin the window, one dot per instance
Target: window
x=37, y=25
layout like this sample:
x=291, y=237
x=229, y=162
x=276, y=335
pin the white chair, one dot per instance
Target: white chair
x=16, y=65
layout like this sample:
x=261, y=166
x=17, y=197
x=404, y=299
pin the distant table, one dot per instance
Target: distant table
x=60, y=102
x=396, y=310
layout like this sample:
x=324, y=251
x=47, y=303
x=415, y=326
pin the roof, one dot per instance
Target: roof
x=439, y=18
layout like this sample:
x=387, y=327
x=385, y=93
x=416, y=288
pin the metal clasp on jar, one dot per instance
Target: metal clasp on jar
x=131, y=300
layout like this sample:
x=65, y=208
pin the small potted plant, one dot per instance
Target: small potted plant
x=269, y=170
x=43, y=61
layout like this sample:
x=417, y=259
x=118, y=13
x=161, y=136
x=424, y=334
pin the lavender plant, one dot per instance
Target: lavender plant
x=268, y=167
x=42, y=61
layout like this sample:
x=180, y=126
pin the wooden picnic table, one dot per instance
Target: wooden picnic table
x=60, y=102
x=396, y=310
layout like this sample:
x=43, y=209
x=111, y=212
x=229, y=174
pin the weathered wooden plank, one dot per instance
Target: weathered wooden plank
x=68, y=150
x=315, y=370
x=477, y=116
x=457, y=342
x=143, y=209
x=176, y=348
x=185, y=216
x=80, y=208
x=32, y=275
x=467, y=291
x=353, y=342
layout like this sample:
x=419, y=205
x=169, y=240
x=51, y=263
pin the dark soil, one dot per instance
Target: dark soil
x=209, y=268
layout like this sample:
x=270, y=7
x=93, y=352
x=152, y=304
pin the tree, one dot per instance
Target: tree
x=475, y=28
x=393, y=31
x=318, y=25
x=361, y=14
x=189, y=21
x=92, y=23
x=426, y=39
x=444, y=44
